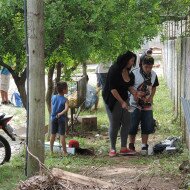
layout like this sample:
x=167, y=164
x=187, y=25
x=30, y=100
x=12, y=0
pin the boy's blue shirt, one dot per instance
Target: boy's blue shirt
x=58, y=105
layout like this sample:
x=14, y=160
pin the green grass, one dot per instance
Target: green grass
x=11, y=173
x=77, y=163
x=163, y=164
x=163, y=112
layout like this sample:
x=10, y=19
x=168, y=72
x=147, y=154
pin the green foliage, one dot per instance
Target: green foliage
x=12, y=34
x=174, y=9
x=78, y=30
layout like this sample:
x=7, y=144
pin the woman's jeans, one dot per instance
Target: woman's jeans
x=119, y=118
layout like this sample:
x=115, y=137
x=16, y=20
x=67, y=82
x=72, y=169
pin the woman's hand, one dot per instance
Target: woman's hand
x=150, y=99
x=124, y=105
x=140, y=94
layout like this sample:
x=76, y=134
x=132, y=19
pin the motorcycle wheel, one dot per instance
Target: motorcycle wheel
x=5, y=150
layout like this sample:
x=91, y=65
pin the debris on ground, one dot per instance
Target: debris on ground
x=59, y=179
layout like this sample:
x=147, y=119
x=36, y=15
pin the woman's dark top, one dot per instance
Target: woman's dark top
x=115, y=81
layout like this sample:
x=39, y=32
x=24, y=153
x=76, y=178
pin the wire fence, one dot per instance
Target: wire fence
x=176, y=64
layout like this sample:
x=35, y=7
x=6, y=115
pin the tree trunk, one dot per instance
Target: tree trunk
x=58, y=67
x=58, y=76
x=20, y=83
x=84, y=69
x=36, y=85
x=48, y=96
x=50, y=87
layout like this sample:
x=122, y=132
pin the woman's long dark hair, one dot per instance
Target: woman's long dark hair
x=122, y=60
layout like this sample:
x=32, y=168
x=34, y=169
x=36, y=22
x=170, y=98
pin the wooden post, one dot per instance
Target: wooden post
x=36, y=79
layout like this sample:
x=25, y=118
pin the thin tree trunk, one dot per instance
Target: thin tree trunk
x=50, y=88
x=48, y=96
x=58, y=76
x=84, y=69
x=58, y=67
x=36, y=85
x=20, y=83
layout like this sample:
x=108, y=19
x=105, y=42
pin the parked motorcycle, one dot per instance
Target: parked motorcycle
x=5, y=149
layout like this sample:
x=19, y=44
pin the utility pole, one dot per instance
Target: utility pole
x=35, y=24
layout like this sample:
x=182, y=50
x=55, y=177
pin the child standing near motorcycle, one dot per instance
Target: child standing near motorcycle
x=59, y=108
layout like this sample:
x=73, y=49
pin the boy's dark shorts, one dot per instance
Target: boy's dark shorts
x=58, y=126
x=146, y=119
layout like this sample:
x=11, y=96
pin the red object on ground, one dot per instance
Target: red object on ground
x=127, y=152
x=73, y=143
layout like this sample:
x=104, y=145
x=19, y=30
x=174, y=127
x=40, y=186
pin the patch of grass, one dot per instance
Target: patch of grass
x=163, y=112
x=11, y=173
x=77, y=163
x=162, y=164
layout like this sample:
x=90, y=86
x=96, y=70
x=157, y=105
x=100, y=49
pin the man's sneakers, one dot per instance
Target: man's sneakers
x=112, y=153
x=144, y=150
x=132, y=146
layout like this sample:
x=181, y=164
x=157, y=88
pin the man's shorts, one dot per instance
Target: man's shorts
x=58, y=126
x=146, y=120
x=101, y=79
x=4, y=82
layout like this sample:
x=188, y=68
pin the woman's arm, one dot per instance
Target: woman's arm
x=119, y=99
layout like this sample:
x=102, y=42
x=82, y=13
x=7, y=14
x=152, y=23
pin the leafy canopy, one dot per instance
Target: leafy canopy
x=78, y=30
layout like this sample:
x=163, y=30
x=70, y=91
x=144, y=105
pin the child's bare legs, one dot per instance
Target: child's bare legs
x=52, y=140
x=63, y=143
x=4, y=96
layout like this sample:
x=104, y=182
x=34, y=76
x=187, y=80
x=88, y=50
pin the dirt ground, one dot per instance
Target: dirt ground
x=136, y=177
x=126, y=175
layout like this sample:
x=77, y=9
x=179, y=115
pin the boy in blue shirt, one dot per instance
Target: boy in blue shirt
x=60, y=106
